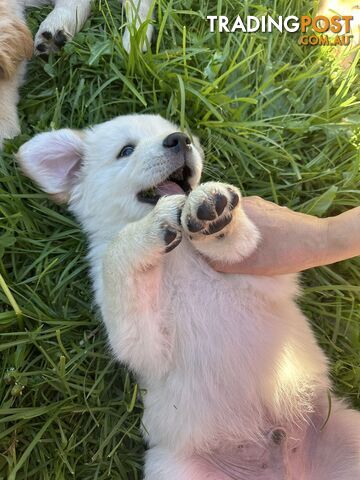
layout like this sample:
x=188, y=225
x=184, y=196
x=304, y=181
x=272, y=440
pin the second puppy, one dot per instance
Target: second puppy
x=16, y=44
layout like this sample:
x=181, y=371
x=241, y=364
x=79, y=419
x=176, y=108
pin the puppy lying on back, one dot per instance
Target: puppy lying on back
x=236, y=385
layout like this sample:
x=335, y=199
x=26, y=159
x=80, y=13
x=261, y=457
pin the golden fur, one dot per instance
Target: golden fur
x=16, y=43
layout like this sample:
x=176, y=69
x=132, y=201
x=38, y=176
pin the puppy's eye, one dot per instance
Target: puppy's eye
x=126, y=151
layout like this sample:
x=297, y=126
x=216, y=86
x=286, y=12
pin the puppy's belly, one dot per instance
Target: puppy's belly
x=238, y=359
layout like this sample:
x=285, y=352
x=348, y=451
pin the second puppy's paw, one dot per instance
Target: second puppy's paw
x=60, y=26
x=209, y=210
x=47, y=42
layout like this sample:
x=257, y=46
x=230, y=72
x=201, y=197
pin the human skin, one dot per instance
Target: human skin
x=292, y=241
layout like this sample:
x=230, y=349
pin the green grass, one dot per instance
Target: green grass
x=279, y=120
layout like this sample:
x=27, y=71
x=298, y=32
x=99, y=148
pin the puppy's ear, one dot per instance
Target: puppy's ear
x=16, y=45
x=53, y=161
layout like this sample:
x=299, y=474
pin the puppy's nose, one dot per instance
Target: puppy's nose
x=178, y=141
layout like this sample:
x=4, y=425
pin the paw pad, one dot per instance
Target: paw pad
x=172, y=238
x=194, y=225
x=169, y=236
x=234, y=200
x=220, y=203
x=209, y=210
x=218, y=225
x=165, y=222
x=48, y=42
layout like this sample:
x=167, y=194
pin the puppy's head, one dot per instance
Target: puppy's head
x=16, y=44
x=116, y=172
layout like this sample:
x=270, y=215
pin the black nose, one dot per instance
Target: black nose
x=178, y=141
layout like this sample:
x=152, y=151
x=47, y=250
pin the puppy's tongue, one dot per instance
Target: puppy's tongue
x=168, y=188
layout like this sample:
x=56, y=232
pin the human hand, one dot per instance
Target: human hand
x=292, y=241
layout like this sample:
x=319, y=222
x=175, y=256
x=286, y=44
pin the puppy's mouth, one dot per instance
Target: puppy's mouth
x=176, y=183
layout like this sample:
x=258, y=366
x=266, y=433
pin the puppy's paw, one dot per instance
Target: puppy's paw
x=47, y=41
x=165, y=222
x=58, y=28
x=209, y=210
x=61, y=25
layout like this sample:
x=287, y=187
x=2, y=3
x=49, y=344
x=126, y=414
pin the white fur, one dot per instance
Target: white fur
x=227, y=361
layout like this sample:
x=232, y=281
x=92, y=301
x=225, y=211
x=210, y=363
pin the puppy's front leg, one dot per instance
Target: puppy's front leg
x=216, y=225
x=67, y=18
x=132, y=306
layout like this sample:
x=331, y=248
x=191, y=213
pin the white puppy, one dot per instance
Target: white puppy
x=236, y=385
x=16, y=45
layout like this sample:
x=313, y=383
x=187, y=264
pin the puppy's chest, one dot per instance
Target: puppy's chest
x=217, y=315
x=193, y=293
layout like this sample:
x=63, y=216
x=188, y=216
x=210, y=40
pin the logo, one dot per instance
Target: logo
x=319, y=30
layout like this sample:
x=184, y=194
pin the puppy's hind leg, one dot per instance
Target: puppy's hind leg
x=132, y=306
x=67, y=18
x=161, y=464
